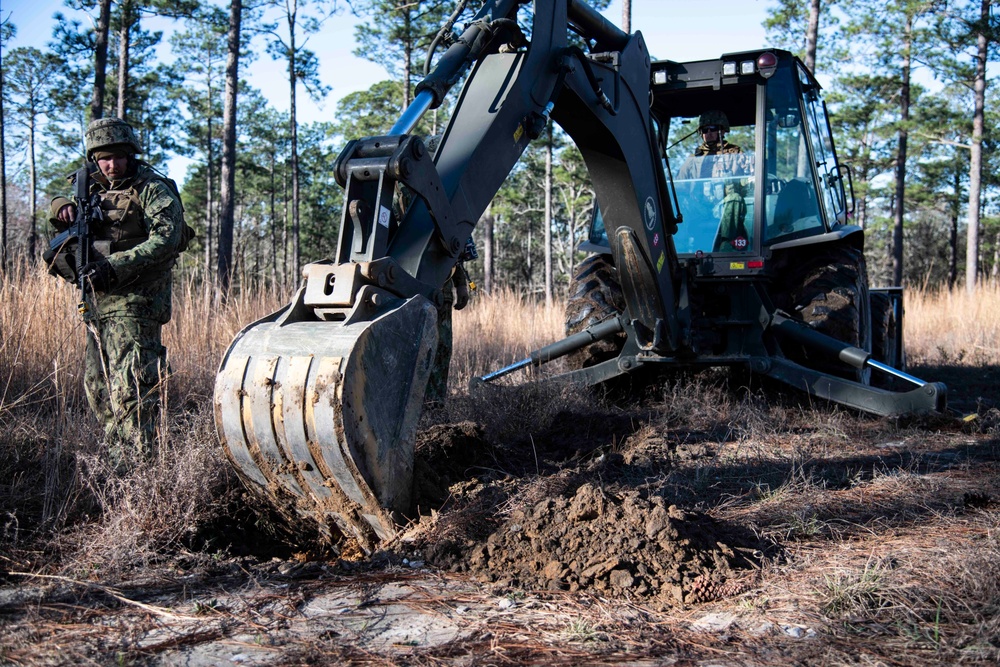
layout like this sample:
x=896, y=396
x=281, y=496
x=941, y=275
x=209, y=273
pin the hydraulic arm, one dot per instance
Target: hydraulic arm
x=317, y=404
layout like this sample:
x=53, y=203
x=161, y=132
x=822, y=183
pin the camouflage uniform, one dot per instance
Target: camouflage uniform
x=727, y=160
x=456, y=297
x=139, y=237
x=437, y=383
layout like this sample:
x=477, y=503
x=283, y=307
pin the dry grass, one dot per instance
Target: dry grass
x=53, y=474
x=61, y=505
x=953, y=327
x=498, y=329
x=937, y=596
x=889, y=529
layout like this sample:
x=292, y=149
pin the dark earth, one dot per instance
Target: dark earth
x=586, y=519
x=704, y=526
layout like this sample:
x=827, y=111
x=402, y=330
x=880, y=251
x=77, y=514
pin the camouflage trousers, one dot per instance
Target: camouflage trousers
x=732, y=212
x=437, y=384
x=124, y=363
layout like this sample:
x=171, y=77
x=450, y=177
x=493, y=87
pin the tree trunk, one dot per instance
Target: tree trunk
x=227, y=188
x=529, y=273
x=3, y=185
x=296, y=250
x=864, y=168
x=209, y=187
x=32, y=187
x=274, y=225
x=548, y=219
x=100, y=60
x=570, y=238
x=407, y=57
x=904, y=118
x=976, y=156
x=995, y=271
x=627, y=16
x=124, y=45
x=284, y=229
x=953, y=234
x=861, y=207
x=488, y=222
x=812, y=35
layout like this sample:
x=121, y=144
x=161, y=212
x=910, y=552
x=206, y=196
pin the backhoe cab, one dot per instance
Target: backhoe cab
x=779, y=123
x=763, y=227
x=317, y=404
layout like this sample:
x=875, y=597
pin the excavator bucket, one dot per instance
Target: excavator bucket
x=320, y=416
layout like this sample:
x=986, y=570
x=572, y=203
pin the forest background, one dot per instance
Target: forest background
x=908, y=84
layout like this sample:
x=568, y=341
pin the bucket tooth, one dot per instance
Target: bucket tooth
x=323, y=397
x=290, y=420
x=259, y=413
x=320, y=416
x=229, y=417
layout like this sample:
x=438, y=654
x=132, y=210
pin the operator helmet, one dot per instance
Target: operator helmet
x=110, y=134
x=714, y=117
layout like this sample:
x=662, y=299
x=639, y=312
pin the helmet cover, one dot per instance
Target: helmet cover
x=106, y=132
x=714, y=117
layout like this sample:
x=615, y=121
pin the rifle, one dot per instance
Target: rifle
x=88, y=208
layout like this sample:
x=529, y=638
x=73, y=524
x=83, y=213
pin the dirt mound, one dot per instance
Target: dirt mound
x=618, y=543
x=546, y=512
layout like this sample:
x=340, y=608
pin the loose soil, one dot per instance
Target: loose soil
x=596, y=523
x=701, y=527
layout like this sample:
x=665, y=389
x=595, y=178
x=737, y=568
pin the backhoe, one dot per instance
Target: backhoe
x=317, y=404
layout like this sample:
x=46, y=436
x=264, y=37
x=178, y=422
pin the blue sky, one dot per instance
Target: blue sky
x=673, y=29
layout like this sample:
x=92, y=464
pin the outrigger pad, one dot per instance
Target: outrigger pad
x=320, y=417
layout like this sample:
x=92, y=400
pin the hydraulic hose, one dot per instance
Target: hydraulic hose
x=588, y=69
x=445, y=29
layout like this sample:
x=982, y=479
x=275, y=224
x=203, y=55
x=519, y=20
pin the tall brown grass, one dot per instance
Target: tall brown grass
x=55, y=488
x=953, y=327
x=498, y=329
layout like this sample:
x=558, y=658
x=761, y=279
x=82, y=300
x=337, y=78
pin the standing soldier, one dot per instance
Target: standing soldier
x=138, y=231
x=456, y=297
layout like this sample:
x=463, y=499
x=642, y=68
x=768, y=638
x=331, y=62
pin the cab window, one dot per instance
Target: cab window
x=790, y=201
x=714, y=186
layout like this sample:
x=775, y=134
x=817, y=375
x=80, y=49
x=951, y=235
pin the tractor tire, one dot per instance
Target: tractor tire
x=885, y=338
x=829, y=292
x=595, y=294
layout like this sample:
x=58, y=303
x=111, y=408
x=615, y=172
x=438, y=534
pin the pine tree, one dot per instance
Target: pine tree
x=28, y=76
x=201, y=55
x=226, y=190
x=302, y=67
x=7, y=30
x=396, y=34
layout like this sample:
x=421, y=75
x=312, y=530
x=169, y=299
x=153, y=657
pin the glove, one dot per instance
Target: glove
x=101, y=275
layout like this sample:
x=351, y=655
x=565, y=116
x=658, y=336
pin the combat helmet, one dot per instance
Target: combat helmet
x=105, y=132
x=714, y=117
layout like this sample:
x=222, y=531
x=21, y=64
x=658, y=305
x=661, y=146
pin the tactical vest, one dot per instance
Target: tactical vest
x=123, y=226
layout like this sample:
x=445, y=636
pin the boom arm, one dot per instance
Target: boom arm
x=602, y=101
